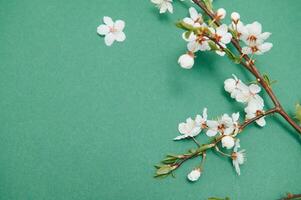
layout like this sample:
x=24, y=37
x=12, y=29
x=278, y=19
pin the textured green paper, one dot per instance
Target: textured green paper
x=80, y=120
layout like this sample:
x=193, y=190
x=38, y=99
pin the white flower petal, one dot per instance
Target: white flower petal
x=188, y=21
x=265, y=47
x=261, y=122
x=254, y=88
x=108, y=21
x=119, y=25
x=182, y=128
x=103, y=29
x=193, y=13
x=109, y=39
x=120, y=36
x=211, y=133
x=180, y=137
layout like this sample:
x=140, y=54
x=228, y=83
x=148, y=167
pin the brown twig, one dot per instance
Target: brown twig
x=250, y=66
x=292, y=196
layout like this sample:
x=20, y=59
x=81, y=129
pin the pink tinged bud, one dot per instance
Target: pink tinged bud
x=235, y=17
x=186, y=61
x=221, y=13
x=228, y=142
x=194, y=175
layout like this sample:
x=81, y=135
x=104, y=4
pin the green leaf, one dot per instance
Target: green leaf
x=208, y=4
x=187, y=34
x=298, y=113
x=213, y=46
x=267, y=79
x=232, y=56
x=164, y=169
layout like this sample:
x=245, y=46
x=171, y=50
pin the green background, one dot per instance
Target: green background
x=80, y=120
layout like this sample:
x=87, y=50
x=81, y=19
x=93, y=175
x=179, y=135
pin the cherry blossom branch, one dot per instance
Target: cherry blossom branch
x=250, y=66
x=173, y=162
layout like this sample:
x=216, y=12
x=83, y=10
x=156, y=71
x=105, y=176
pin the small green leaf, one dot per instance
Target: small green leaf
x=298, y=113
x=208, y=4
x=187, y=34
x=267, y=79
x=232, y=56
x=165, y=169
x=213, y=46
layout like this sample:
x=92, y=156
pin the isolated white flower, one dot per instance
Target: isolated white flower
x=189, y=129
x=163, y=5
x=194, y=175
x=186, y=61
x=255, y=39
x=222, y=36
x=112, y=30
x=195, y=19
x=238, y=157
x=254, y=109
x=228, y=142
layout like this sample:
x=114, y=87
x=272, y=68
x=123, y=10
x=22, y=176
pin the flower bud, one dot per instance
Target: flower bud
x=186, y=61
x=228, y=142
x=235, y=17
x=194, y=175
x=220, y=13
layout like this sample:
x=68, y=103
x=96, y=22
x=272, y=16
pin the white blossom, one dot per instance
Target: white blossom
x=222, y=36
x=195, y=19
x=254, y=109
x=223, y=125
x=163, y=5
x=197, y=43
x=238, y=157
x=192, y=127
x=239, y=28
x=112, y=30
x=194, y=175
x=255, y=39
x=189, y=129
x=202, y=119
x=248, y=95
x=186, y=61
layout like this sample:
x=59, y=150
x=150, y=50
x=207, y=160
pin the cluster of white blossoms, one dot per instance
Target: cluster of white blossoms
x=112, y=31
x=200, y=42
x=226, y=127
x=251, y=35
x=247, y=94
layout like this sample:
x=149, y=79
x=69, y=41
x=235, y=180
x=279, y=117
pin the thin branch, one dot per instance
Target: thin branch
x=292, y=196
